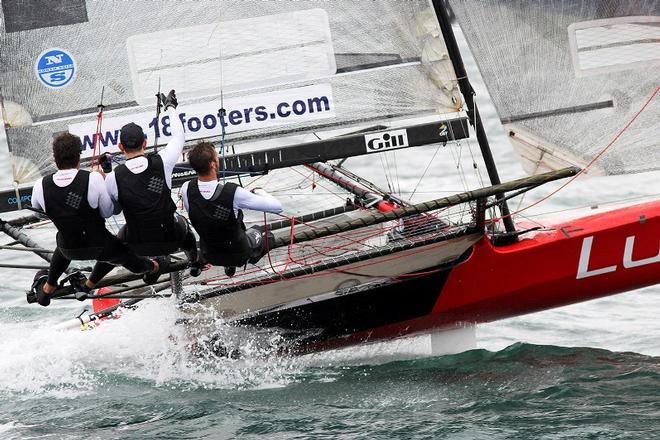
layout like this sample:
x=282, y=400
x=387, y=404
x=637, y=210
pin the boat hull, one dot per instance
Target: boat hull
x=568, y=262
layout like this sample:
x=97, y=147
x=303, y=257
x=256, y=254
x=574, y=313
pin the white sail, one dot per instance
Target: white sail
x=282, y=67
x=567, y=77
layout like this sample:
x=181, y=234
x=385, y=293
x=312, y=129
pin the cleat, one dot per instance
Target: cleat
x=36, y=293
x=152, y=277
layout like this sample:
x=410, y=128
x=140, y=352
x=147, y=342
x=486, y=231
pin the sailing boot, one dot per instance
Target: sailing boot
x=36, y=293
x=152, y=277
x=77, y=282
x=230, y=271
x=196, y=269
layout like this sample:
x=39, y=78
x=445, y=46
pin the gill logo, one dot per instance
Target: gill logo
x=628, y=262
x=388, y=140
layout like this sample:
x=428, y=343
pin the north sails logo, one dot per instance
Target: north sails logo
x=55, y=68
x=388, y=140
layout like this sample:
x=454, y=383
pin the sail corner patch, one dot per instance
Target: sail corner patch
x=55, y=68
x=387, y=140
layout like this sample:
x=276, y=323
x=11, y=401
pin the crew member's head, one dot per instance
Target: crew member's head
x=66, y=151
x=204, y=159
x=132, y=138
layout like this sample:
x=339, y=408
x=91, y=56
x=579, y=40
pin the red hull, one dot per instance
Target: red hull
x=540, y=272
x=543, y=272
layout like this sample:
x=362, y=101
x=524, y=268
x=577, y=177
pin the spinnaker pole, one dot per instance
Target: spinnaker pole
x=472, y=110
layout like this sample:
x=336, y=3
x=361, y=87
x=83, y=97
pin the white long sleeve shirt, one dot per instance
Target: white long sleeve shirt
x=260, y=200
x=170, y=156
x=97, y=195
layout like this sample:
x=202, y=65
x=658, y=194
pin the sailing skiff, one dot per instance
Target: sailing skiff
x=291, y=91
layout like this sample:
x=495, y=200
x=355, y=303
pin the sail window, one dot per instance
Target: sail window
x=239, y=54
x=36, y=14
x=620, y=43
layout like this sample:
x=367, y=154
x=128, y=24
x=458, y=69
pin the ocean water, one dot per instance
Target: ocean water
x=590, y=370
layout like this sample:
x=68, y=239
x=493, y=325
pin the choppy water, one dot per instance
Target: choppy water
x=130, y=379
x=587, y=371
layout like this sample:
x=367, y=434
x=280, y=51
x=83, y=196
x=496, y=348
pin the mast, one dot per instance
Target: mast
x=472, y=110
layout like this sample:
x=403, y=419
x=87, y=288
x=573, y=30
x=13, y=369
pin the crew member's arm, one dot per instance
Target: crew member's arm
x=174, y=148
x=184, y=195
x=258, y=200
x=113, y=192
x=97, y=195
x=38, y=195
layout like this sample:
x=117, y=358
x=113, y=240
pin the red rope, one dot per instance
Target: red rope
x=94, y=163
x=326, y=272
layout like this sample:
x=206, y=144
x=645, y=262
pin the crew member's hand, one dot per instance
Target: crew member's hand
x=169, y=100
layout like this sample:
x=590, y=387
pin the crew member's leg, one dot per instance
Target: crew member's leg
x=117, y=253
x=58, y=265
x=188, y=243
x=260, y=243
x=45, y=282
x=186, y=238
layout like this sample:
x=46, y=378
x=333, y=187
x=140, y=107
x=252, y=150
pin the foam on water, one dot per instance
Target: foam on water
x=35, y=359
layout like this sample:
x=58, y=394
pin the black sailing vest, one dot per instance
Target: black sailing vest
x=148, y=208
x=78, y=225
x=222, y=237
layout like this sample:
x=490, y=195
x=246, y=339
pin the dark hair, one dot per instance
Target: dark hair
x=66, y=151
x=201, y=157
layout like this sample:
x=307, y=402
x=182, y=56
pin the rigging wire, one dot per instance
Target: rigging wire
x=428, y=165
x=221, y=111
x=158, y=107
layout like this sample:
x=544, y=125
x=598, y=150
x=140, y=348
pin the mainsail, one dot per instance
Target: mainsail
x=279, y=67
x=567, y=76
x=299, y=83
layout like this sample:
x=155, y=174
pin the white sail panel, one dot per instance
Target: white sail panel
x=294, y=46
x=571, y=75
x=614, y=44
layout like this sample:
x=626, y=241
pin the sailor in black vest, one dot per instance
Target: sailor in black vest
x=142, y=189
x=214, y=209
x=77, y=203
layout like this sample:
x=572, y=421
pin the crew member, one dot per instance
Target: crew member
x=78, y=204
x=215, y=208
x=141, y=187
